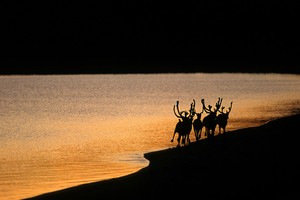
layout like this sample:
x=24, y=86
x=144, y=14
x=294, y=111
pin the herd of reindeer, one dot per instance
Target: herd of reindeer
x=215, y=117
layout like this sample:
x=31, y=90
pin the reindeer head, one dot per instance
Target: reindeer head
x=185, y=114
x=199, y=115
x=208, y=110
x=228, y=111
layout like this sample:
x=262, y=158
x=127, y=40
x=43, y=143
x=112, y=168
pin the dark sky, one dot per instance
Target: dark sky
x=150, y=35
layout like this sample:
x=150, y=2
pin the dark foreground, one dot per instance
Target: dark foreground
x=251, y=163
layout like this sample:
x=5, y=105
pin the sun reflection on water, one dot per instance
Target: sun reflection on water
x=60, y=131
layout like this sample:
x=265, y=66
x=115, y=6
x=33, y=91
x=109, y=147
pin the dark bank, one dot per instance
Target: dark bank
x=250, y=163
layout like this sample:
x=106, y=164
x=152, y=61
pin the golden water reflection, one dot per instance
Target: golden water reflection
x=62, y=131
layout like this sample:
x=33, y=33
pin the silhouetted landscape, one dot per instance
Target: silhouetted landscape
x=148, y=36
x=250, y=163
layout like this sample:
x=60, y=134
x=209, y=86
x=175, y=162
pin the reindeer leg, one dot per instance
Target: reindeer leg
x=183, y=141
x=209, y=134
x=199, y=135
x=178, y=140
x=173, y=137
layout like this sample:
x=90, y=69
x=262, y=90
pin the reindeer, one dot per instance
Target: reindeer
x=222, y=118
x=209, y=121
x=197, y=126
x=184, y=125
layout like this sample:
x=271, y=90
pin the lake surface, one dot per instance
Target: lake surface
x=58, y=131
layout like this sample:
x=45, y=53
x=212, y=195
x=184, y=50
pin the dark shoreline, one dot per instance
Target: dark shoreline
x=250, y=163
x=135, y=68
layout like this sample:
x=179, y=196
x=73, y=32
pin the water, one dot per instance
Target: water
x=58, y=131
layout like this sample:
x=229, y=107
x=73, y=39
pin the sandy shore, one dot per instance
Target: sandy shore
x=251, y=163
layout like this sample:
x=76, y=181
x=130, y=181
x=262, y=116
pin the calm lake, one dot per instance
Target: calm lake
x=58, y=131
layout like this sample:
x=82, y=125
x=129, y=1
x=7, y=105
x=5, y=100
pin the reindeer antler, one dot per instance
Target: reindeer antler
x=178, y=114
x=192, y=109
x=189, y=114
x=230, y=107
x=221, y=111
x=218, y=104
x=204, y=107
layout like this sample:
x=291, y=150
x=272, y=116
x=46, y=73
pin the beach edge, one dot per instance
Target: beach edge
x=255, y=161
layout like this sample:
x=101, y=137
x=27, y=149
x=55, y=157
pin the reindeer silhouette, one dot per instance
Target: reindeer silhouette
x=222, y=118
x=209, y=121
x=197, y=126
x=184, y=125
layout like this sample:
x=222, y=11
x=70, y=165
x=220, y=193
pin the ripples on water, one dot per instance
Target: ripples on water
x=58, y=131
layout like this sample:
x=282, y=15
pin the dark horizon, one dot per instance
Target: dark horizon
x=85, y=68
x=150, y=37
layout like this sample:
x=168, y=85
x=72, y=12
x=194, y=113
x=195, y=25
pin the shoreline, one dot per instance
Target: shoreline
x=246, y=163
x=72, y=68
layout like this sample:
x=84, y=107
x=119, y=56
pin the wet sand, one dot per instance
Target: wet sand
x=251, y=163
